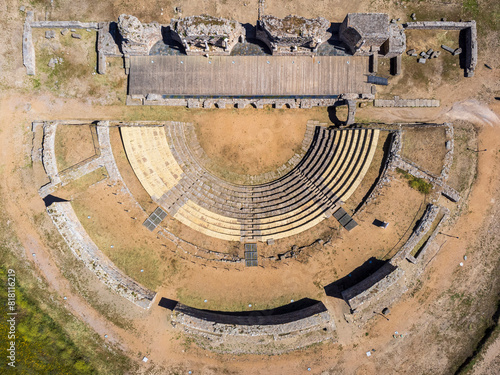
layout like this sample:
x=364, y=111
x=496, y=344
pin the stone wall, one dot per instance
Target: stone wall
x=82, y=246
x=64, y=25
x=49, y=158
x=468, y=27
x=155, y=99
x=137, y=38
x=397, y=102
x=370, y=288
x=28, y=46
x=292, y=35
x=419, y=232
x=252, y=337
x=206, y=34
x=423, y=250
x=385, y=177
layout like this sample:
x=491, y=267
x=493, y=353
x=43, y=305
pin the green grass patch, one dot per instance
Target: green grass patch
x=416, y=183
x=42, y=346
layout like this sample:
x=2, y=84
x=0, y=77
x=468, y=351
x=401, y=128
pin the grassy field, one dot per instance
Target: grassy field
x=49, y=339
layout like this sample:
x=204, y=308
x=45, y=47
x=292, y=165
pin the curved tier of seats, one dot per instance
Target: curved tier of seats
x=328, y=174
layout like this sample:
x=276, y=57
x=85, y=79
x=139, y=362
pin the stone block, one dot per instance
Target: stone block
x=50, y=34
x=76, y=36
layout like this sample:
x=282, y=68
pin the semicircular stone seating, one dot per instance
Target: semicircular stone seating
x=328, y=174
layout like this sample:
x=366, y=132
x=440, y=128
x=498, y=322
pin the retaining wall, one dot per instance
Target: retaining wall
x=154, y=99
x=82, y=246
x=419, y=232
x=255, y=331
x=374, y=285
x=429, y=241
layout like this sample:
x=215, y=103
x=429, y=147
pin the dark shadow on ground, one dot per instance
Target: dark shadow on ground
x=332, y=113
x=336, y=288
x=49, y=199
x=167, y=303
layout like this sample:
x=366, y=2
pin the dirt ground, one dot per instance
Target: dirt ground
x=441, y=320
x=250, y=141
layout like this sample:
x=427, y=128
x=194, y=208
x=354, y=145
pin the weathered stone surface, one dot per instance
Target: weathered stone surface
x=28, y=46
x=207, y=34
x=52, y=63
x=365, y=33
x=251, y=337
x=49, y=34
x=76, y=36
x=138, y=38
x=293, y=34
x=85, y=249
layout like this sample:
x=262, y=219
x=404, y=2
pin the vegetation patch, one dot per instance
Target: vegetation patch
x=416, y=183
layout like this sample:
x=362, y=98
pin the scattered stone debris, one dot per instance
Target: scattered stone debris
x=76, y=36
x=435, y=54
x=411, y=52
x=457, y=51
x=52, y=64
x=64, y=31
x=429, y=51
x=446, y=48
x=22, y=9
x=49, y=34
x=413, y=16
x=421, y=61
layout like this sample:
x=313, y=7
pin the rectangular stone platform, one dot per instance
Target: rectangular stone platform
x=248, y=76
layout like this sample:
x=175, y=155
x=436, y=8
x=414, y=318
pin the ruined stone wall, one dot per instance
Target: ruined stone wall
x=470, y=30
x=255, y=338
x=431, y=238
x=397, y=102
x=420, y=231
x=82, y=246
x=292, y=35
x=155, y=99
x=28, y=46
x=137, y=38
x=374, y=285
x=206, y=34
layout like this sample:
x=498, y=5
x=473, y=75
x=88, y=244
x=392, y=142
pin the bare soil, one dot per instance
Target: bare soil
x=250, y=141
x=426, y=148
x=73, y=144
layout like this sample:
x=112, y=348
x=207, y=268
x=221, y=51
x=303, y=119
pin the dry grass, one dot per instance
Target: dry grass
x=425, y=146
x=73, y=144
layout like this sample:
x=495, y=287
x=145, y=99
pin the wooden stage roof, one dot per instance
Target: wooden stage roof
x=248, y=76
